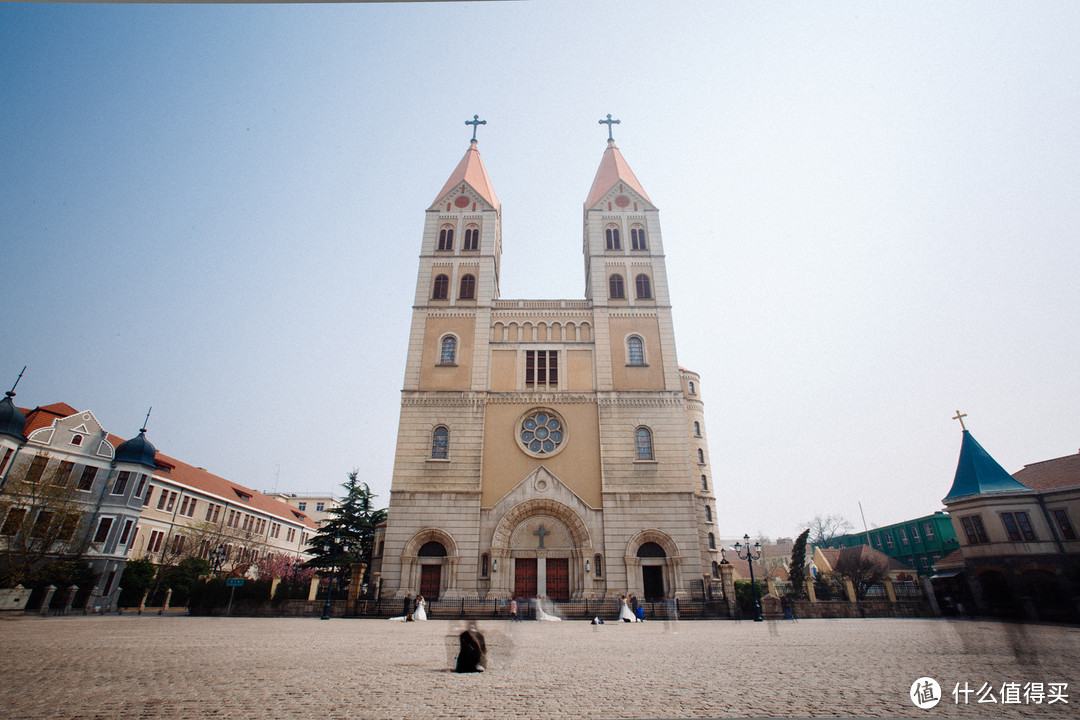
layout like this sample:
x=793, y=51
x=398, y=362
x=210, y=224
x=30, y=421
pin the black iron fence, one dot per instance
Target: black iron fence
x=499, y=608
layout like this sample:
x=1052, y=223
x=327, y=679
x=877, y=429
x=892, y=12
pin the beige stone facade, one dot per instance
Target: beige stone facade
x=547, y=447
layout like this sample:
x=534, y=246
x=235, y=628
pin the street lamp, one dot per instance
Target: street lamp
x=334, y=547
x=750, y=557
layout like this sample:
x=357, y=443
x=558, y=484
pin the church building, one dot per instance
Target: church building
x=547, y=447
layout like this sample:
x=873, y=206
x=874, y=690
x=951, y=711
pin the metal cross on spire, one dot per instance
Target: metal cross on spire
x=609, y=122
x=475, y=122
x=11, y=392
x=960, y=416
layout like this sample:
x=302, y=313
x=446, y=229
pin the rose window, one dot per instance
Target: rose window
x=542, y=433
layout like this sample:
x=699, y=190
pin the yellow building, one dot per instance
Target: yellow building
x=547, y=447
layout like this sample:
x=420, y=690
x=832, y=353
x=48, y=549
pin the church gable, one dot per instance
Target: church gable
x=622, y=197
x=541, y=483
x=462, y=197
x=80, y=434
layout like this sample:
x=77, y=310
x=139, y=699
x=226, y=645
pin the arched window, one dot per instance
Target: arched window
x=431, y=548
x=637, y=238
x=467, y=291
x=643, y=443
x=441, y=289
x=448, y=352
x=708, y=514
x=712, y=541
x=700, y=455
x=651, y=549
x=598, y=565
x=704, y=483
x=472, y=238
x=440, y=443
x=615, y=287
x=611, y=236
x=692, y=390
x=697, y=429
x=484, y=565
x=635, y=350
x=446, y=238
x=644, y=290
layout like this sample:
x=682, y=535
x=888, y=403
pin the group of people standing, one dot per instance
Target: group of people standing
x=630, y=610
x=412, y=610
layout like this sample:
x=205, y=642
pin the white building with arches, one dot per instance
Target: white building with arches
x=547, y=447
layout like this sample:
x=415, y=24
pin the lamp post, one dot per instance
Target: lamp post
x=750, y=557
x=217, y=558
x=335, y=547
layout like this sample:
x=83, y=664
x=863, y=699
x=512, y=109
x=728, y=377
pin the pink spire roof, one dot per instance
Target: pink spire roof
x=471, y=171
x=613, y=169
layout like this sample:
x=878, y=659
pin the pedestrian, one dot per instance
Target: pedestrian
x=472, y=651
x=514, y=610
x=406, y=605
x=639, y=614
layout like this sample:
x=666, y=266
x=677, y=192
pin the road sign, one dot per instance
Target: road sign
x=234, y=582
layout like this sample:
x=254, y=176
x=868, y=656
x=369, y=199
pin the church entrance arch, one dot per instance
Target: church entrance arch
x=429, y=564
x=652, y=562
x=543, y=543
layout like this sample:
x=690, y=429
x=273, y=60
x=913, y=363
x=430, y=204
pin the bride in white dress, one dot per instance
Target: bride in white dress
x=541, y=615
x=625, y=614
x=420, y=613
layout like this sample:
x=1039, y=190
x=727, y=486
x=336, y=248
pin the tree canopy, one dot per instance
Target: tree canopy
x=797, y=566
x=352, y=522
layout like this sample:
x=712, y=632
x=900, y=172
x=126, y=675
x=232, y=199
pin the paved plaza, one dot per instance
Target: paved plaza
x=187, y=667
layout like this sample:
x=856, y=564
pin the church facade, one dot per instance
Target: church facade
x=547, y=447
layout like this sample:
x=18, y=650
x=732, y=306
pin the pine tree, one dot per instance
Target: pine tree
x=353, y=522
x=797, y=567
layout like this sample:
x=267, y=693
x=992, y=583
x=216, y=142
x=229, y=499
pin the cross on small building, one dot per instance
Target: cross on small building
x=609, y=122
x=960, y=416
x=475, y=122
x=541, y=532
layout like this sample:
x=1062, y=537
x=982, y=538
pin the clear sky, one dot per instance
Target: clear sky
x=870, y=213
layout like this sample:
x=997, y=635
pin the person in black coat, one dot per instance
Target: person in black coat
x=472, y=653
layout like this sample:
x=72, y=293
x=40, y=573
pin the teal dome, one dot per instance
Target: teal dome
x=12, y=421
x=138, y=450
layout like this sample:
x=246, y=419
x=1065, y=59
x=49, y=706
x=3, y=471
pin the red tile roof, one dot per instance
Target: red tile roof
x=471, y=170
x=44, y=415
x=613, y=168
x=955, y=559
x=1053, y=474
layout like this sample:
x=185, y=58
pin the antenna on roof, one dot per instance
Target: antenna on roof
x=11, y=392
x=147, y=420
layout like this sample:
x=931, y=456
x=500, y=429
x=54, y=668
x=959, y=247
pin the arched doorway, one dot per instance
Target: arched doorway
x=431, y=556
x=652, y=558
x=543, y=545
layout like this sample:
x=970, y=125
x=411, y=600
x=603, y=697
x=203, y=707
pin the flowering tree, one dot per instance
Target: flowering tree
x=281, y=565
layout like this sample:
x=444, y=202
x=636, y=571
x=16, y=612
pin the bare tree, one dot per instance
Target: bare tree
x=862, y=567
x=42, y=518
x=824, y=529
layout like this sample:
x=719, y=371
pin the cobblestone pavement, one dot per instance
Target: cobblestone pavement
x=186, y=667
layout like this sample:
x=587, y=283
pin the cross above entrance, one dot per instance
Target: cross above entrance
x=541, y=532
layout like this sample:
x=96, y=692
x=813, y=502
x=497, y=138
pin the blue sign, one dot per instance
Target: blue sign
x=234, y=582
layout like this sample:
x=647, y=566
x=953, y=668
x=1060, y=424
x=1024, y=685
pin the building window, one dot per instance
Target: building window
x=704, y=483
x=611, y=237
x=86, y=481
x=472, y=238
x=63, y=475
x=876, y=540
x=542, y=369
x=41, y=524
x=103, y=528
x=701, y=456
x=484, y=565
x=76, y=440
x=153, y=544
x=615, y=287
x=121, y=483
x=541, y=433
x=440, y=443
x=642, y=287
x=442, y=288
x=715, y=569
x=690, y=384
x=903, y=535
x=598, y=565
x=37, y=467
x=448, y=351
x=708, y=514
x=637, y=238
x=888, y=540
x=301, y=506
x=973, y=528
x=697, y=429
x=643, y=443
x=320, y=507
x=141, y=486
x=446, y=238
x=68, y=525
x=712, y=541
x=13, y=521
x=928, y=531
x=7, y=456
x=914, y=534
x=1061, y=517
x=127, y=531
x=635, y=350
x=467, y=290
x=163, y=499
x=1018, y=527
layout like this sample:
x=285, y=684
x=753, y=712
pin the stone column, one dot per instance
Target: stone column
x=770, y=586
x=70, y=598
x=168, y=598
x=541, y=576
x=890, y=590
x=313, y=590
x=727, y=582
x=49, y=591
x=849, y=590
x=928, y=593
x=142, y=602
x=274, y=586
x=810, y=590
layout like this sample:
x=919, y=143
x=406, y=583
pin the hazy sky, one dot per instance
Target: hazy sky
x=870, y=213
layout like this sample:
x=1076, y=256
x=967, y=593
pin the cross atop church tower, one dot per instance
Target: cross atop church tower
x=476, y=121
x=960, y=416
x=609, y=122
